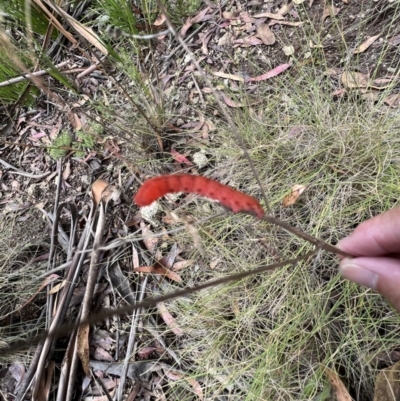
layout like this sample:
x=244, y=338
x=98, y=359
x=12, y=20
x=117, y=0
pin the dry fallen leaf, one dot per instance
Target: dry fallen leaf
x=330, y=11
x=352, y=79
x=269, y=15
x=387, y=384
x=340, y=390
x=393, y=100
x=265, y=34
x=333, y=72
x=149, y=239
x=83, y=348
x=297, y=130
x=229, y=76
x=288, y=50
x=365, y=45
x=370, y=95
x=285, y=9
x=395, y=40
x=229, y=102
x=338, y=93
x=169, y=319
x=272, y=73
x=157, y=268
x=294, y=195
x=160, y=20
x=179, y=158
x=290, y=23
x=175, y=375
x=97, y=189
x=248, y=41
x=201, y=16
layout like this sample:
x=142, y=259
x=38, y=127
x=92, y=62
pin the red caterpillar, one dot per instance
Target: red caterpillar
x=156, y=187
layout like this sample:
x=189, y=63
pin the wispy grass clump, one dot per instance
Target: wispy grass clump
x=269, y=337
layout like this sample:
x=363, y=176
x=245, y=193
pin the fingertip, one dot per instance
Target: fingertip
x=355, y=272
x=379, y=273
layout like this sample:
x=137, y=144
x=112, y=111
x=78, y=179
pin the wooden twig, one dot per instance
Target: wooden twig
x=53, y=333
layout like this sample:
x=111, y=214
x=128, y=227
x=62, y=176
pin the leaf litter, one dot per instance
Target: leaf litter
x=244, y=27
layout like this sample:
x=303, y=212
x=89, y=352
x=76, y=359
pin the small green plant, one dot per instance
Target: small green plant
x=85, y=141
x=58, y=150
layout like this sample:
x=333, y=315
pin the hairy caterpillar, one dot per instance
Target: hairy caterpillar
x=237, y=201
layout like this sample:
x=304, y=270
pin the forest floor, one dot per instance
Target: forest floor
x=308, y=125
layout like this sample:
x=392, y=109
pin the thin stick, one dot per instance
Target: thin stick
x=217, y=98
x=15, y=346
x=315, y=241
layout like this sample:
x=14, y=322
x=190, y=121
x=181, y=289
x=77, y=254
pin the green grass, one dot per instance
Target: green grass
x=269, y=337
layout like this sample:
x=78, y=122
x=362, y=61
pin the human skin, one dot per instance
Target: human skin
x=375, y=243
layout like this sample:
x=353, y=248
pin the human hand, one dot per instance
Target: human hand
x=376, y=245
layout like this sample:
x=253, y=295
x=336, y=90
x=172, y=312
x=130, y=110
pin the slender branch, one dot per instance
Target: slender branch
x=221, y=105
x=315, y=241
x=15, y=346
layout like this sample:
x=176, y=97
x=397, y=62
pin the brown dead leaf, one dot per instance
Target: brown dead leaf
x=214, y=263
x=149, y=239
x=169, y=319
x=270, y=74
x=229, y=76
x=83, y=348
x=158, y=269
x=57, y=288
x=183, y=264
x=111, y=192
x=370, y=95
x=175, y=375
x=67, y=171
x=330, y=11
x=48, y=280
x=97, y=190
x=395, y=40
x=248, y=41
x=265, y=34
x=269, y=15
x=83, y=30
x=289, y=23
x=196, y=387
x=294, y=195
x=100, y=354
x=333, y=72
x=285, y=8
x=352, y=79
x=229, y=15
x=45, y=382
x=145, y=352
x=160, y=20
x=340, y=390
x=338, y=93
x=297, y=130
x=365, y=45
x=201, y=16
x=17, y=371
x=229, y=102
x=393, y=100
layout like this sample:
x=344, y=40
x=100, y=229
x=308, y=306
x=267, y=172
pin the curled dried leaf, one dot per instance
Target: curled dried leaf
x=265, y=34
x=352, y=79
x=365, y=45
x=97, y=189
x=294, y=195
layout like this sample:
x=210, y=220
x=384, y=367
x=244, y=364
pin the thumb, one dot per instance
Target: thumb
x=380, y=274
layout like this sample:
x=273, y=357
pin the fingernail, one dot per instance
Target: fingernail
x=358, y=274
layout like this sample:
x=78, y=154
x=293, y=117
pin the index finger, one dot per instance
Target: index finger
x=374, y=237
